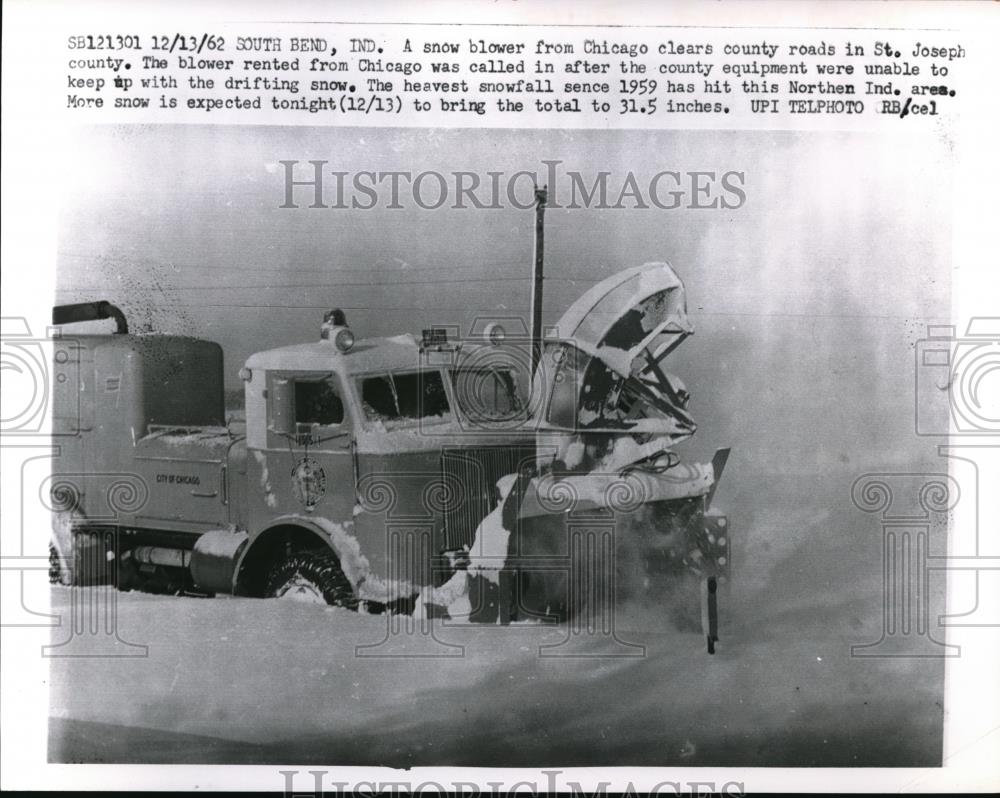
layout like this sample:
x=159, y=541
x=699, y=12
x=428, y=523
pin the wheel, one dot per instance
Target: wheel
x=313, y=577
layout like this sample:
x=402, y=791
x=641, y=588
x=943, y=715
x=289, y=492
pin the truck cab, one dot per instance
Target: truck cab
x=372, y=444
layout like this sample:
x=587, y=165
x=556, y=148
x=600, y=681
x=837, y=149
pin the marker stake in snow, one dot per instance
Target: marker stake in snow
x=710, y=612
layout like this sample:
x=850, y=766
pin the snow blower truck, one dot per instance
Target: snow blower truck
x=461, y=478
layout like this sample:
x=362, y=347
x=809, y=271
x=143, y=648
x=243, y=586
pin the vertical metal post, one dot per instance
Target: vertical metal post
x=710, y=611
x=541, y=197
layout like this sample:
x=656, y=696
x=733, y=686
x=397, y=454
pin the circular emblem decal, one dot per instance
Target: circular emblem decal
x=308, y=482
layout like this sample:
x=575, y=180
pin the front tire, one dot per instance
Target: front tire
x=313, y=577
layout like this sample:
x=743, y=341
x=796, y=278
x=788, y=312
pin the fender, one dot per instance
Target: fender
x=306, y=530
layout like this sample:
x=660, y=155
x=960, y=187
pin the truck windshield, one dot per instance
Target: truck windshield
x=487, y=394
x=403, y=395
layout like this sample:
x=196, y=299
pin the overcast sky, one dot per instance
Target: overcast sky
x=805, y=300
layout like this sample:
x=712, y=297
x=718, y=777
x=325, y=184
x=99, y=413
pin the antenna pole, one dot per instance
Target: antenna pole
x=541, y=197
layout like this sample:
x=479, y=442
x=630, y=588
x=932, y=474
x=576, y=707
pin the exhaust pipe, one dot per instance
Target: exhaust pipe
x=90, y=311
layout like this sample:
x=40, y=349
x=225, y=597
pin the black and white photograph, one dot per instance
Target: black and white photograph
x=446, y=442
x=508, y=536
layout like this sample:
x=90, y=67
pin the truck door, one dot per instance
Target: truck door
x=307, y=465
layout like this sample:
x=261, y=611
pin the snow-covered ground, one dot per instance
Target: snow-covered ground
x=242, y=680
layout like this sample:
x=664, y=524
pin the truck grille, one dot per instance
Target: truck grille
x=475, y=471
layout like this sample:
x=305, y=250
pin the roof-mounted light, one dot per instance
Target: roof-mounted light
x=335, y=329
x=342, y=338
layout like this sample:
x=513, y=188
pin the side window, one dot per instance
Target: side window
x=300, y=404
x=317, y=402
x=562, y=410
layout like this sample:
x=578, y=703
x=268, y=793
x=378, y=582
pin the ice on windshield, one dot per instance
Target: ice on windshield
x=403, y=396
x=487, y=394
